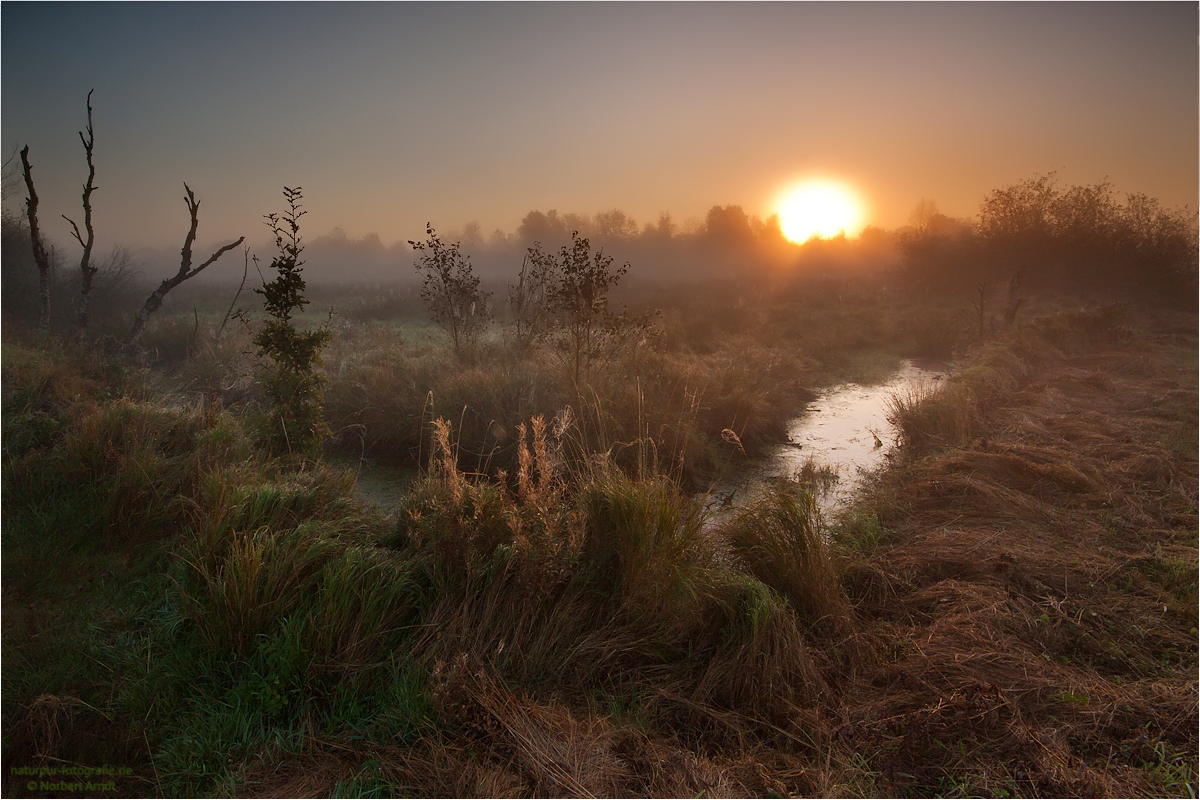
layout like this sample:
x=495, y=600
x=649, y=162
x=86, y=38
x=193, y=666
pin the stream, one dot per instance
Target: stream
x=844, y=431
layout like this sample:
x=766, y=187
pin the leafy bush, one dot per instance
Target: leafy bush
x=589, y=333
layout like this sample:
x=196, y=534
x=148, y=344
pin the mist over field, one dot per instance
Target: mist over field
x=727, y=240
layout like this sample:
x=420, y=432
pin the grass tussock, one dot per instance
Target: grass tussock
x=780, y=541
x=645, y=546
x=617, y=575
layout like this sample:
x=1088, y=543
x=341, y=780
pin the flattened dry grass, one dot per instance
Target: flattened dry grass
x=1033, y=591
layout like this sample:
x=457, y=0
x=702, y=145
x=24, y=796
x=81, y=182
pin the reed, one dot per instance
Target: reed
x=935, y=418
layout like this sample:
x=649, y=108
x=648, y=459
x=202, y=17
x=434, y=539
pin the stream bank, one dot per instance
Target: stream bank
x=841, y=435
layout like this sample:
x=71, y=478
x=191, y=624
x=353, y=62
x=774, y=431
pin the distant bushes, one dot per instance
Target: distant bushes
x=1077, y=239
x=386, y=392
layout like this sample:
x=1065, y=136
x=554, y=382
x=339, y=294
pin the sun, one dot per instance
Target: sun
x=819, y=208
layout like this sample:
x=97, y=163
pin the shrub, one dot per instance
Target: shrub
x=451, y=291
x=589, y=333
x=292, y=382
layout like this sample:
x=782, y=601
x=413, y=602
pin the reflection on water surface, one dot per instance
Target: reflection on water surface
x=845, y=428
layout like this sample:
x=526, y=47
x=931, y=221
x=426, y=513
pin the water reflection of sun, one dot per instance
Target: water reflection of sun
x=819, y=208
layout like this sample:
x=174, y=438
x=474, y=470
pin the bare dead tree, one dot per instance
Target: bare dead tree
x=40, y=256
x=87, y=271
x=186, y=271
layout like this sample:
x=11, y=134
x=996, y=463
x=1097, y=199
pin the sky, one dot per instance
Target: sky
x=391, y=115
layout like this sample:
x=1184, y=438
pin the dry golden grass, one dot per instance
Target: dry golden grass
x=1034, y=595
x=780, y=541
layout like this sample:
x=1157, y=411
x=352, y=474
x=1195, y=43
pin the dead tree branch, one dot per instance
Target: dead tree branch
x=39, y=249
x=245, y=272
x=186, y=271
x=87, y=271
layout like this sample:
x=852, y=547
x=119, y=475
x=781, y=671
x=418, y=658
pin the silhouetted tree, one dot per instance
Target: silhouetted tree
x=539, y=227
x=580, y=299
x=665, y=227
x=773, y=246
x=936, y=251
x=1081, y=237
x=40, y=256
x=117, y=270
x=615, y=224
x=472, y=235
x=110, y=295
x=1037, y=234
x=87, y=270
x=186, y=271
x=729, y=228
x=451, y=290
x=1021, y=224
x=1161, y=245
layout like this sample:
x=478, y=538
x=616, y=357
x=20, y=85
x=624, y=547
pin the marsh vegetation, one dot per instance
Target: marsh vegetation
x=543, y=606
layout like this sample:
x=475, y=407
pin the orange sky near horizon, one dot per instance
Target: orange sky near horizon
x=392, y=115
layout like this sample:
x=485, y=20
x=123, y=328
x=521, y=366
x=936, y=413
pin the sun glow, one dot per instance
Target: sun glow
x=819, y=208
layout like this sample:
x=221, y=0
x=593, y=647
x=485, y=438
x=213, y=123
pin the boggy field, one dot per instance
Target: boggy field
x=1009, y=609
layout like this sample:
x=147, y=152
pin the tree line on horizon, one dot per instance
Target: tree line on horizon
x=728, y=238
x=1049, y=237
x=1055, y=239
x=1052, y=238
